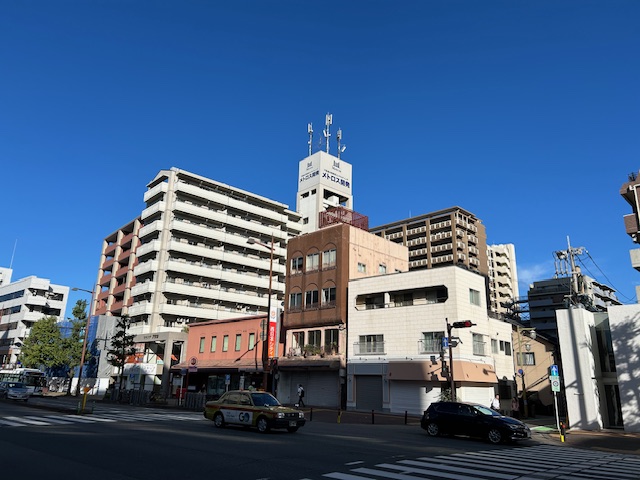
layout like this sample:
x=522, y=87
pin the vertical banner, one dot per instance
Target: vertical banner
x=273, y=331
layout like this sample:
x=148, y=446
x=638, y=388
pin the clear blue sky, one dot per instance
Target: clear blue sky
x=525, y=113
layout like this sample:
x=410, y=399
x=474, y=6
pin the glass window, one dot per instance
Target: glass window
x=225, y=343
x=526, y=358
x=214, y=341
x=329, y=258
x=331, y=341
x=382, y=269
x=474, y=297
x=311, y=299
x=362, y=268
x=297, y=343
x=296, y=265
x=478, y=344
x=312, y=262
x=252, y=341
x=315, y=338
x=329, y=296
x=238, y=342
x=494, y=345
x=403, y=299
x=295, y=300
x=431, y=342
x=371, y=344
x=201, y=349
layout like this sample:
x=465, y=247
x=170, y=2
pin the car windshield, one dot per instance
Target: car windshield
x=486, y=410
x=16, y=385
x=264, y=399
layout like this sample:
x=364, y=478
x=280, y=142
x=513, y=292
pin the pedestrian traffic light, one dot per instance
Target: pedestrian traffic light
x=463, y=324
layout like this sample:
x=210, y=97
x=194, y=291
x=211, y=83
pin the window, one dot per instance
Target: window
x=252, y=341
x=478, y=344
x=474, y=297
x=371, y=344
x=298, y=342
x=362, y=268
x=331, y=341
x=238, y=342
x=505, y=347
x=201, y=349
x=373, y=302
x=403, y=299
x=329, y=296
x=214, y=341
x=436, y=294
x=526, y=358
x=311, y=299
x=431, y=342
x=315, y=338
x=295, y=301
x=494, y=345
x=382, y=269
x=329, y=258
x=225, y=343
x=296, y=265
x=312, y=262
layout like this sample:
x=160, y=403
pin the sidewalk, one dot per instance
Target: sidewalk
x=543, y=427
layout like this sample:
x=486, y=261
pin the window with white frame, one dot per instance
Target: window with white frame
x=362, y=268
x=382, y=269
x=494, y=345
x=312, y=262
x=214, y=342
x=478, y=344
x=238, y=342
x=201, y=349
x=252, y=341
x=311, y=299
x=296, y=265
x=225, y=343
x=297, y=343
x=474, y=297
x=295, y=301
x=329, y=258
x=329, y=296
x=526, y=358
x=431, y=342
x=370, y=344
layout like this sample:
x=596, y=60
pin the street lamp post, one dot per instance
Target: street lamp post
x=84, y=342
x=267, y=341
x=532, y=335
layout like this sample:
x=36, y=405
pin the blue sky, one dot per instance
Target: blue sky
x=524, y=113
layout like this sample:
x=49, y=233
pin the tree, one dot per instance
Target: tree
x=122, y=346
x=44, y=345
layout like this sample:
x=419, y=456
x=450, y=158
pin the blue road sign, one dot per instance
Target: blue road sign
x=445, y=342
x=554, y=370
x=520, y=371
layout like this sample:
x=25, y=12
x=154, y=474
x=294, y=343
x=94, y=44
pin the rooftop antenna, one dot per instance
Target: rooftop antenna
x=328, y=121
x=341, y=148
x=310, y=132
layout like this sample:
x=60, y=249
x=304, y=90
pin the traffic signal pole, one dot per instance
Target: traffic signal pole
x=462, y=324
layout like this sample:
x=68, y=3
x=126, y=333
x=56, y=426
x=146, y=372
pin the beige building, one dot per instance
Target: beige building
x=503, y=277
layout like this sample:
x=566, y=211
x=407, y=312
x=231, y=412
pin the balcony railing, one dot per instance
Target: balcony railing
x=368, y=348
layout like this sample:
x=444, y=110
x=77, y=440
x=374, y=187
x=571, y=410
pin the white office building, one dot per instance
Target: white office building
x=23, y=303
x=503, y=276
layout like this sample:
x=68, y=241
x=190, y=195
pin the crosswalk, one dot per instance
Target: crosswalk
x=540, y=462
x=112, y=416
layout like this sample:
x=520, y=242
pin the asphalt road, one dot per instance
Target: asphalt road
x=139, y=443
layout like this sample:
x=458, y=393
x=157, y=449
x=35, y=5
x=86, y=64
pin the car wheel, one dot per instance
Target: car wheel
x=218, y=420
x=433, y=429
x=263, y=425
x=494, y=436
x=292, y=429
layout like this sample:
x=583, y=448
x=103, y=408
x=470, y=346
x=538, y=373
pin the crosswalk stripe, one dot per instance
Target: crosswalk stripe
x=9, y=423
x=50, y=420
x=26, y=420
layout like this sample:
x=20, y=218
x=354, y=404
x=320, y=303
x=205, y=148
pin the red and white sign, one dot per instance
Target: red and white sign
x=273, y=331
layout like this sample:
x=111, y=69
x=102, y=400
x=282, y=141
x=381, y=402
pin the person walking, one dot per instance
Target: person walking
x=300, y=396
x=515, y=407
x=495, y=403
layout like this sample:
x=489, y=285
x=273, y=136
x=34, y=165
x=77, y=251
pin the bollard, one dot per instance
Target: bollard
x=562, y=431
x=373, y=418
x=78, y=409
x=311, y=414
x=405, y=417
x=339, y=415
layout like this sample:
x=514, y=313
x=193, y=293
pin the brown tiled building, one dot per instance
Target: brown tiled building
x=320, y=265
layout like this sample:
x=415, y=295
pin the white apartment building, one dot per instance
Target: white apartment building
x=23, y=303
x=503, y=276
x=195, y=262
x=396, y=327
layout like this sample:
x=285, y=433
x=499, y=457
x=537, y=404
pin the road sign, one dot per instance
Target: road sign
x=554, y=370
x=193, y=361
x=520, y=371
x=445, y=342
x=227, y=379
x=555, y=383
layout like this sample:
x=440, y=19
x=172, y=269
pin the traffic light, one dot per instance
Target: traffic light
x=463, y=324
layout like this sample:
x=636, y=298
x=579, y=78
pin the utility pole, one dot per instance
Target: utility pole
x=453, y=343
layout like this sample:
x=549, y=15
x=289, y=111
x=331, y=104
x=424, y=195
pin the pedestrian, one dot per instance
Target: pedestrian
x=300, y=396
x=515, y=407
x=495, y=403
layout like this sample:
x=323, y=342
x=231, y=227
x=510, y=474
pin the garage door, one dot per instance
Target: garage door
x=481, y=395
x=321, y=389
x=412, y=397
x=368, y=392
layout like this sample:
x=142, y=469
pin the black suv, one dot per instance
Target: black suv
x=472, y=420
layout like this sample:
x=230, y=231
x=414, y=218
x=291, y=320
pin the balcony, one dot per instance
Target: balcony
x=369, y=348
x=152, y=192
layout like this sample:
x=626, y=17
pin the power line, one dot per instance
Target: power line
x=605, y=276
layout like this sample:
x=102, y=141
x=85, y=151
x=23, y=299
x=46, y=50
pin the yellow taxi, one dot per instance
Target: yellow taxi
x=253, y=409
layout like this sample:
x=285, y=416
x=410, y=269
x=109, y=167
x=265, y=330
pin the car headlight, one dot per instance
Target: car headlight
x=514, y=427
x=301, y=414
x=280, y=415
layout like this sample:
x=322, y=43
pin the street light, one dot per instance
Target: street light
x=86, y=337
x=532, y=335
x=265, y=351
